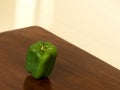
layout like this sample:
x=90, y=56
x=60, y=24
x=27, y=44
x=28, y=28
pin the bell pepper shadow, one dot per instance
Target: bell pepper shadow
x=34, y=84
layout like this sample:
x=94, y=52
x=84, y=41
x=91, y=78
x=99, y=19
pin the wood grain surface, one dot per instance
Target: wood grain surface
x=74, y=69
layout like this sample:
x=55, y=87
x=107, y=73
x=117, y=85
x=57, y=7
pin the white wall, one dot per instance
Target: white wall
x=45, y=13
x=17, y=14
x=25, y=12
x=93, y=25
x=6, y=14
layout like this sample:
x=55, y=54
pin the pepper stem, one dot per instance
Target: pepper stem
x=42, y=48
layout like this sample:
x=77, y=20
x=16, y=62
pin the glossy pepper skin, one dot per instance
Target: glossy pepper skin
x=40, y=59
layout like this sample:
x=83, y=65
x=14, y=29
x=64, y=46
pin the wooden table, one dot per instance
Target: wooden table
x=75, y=69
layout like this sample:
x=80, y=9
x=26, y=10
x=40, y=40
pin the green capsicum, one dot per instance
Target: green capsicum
x=40, y=59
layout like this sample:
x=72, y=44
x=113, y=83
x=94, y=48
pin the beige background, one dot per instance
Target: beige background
x=93, y=25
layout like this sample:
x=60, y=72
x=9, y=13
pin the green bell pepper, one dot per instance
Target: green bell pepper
x=40, y=59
